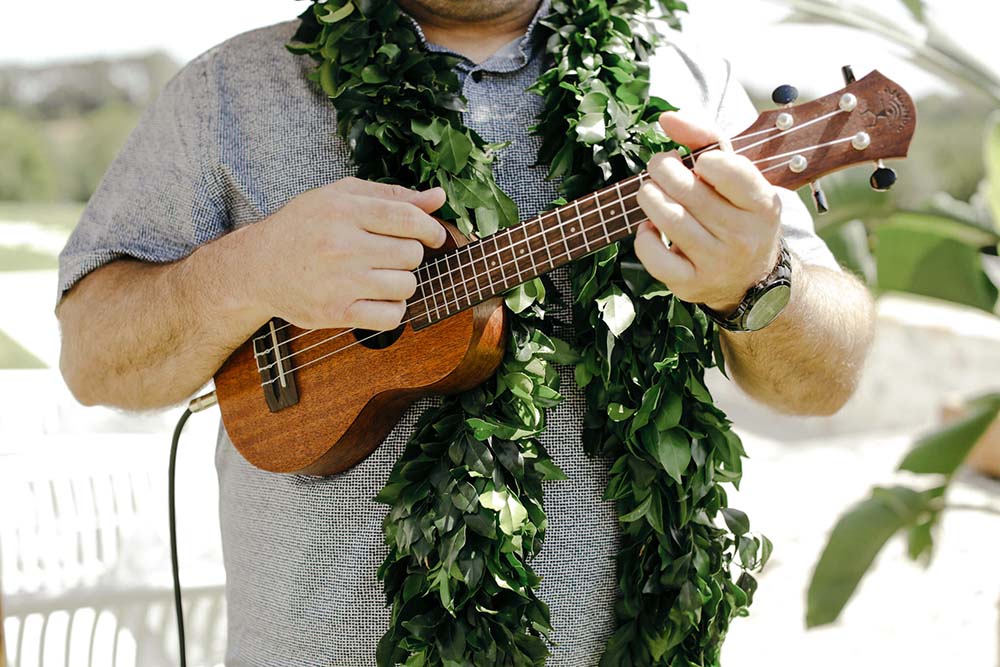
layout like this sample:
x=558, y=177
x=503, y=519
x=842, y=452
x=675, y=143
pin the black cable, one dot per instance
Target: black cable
x=175, y=568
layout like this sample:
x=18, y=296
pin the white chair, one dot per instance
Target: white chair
x=84, y=559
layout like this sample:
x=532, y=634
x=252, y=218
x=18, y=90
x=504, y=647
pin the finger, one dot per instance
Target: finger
x=672, y=268
x=738, y=180
x=400, y=220
x=700, y=199
x=383, y=285
x=386, y=252
x=675, y=222
x=375, y=315
x=689, y=129
x=426, y=200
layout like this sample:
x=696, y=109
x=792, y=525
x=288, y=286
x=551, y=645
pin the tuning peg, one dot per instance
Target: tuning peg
x=785, y=95
x=883, y=179
x=848, y=72
x=819, y=198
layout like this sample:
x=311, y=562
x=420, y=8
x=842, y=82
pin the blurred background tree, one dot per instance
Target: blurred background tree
x=61, y=125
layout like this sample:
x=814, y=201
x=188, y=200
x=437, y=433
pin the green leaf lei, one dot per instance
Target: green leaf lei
x=466, y=513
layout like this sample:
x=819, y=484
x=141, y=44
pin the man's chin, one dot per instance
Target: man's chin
x=464, y=10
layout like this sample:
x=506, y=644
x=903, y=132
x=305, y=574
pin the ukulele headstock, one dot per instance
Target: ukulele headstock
x=869, y=120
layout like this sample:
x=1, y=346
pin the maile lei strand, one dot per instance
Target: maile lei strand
x=466, y=514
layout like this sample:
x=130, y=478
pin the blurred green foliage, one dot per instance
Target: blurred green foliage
x=62, y=159
x=61, y=125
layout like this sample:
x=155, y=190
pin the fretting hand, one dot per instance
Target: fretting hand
x=722, y=220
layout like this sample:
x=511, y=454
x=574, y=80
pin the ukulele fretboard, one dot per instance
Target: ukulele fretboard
x=488, y=267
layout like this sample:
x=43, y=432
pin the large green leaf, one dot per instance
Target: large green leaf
x=942, y=451
x=936, y=257
x=916, y=8
x=854, y=543
x=992, y=160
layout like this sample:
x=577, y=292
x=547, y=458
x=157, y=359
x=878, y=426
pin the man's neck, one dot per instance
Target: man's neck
x=476, y=40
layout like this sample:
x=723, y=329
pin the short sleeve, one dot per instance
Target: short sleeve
x=155, y=203
x=713, y=92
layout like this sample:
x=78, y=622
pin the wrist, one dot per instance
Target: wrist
x=233, y=269
x=727, y=305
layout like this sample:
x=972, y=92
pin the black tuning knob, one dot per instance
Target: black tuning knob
x=883, y=179
x=786, y=94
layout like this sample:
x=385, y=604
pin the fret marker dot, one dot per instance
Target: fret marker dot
x=524, y=250
x=572, y=229
x=494, y=262
x=614, y=212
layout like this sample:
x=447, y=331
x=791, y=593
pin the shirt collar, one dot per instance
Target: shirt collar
x=510, y=57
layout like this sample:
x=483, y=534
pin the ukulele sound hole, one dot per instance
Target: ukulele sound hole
x=378, y=340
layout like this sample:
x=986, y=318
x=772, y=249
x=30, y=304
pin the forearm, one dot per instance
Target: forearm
x=141, y=336
x=809, y=360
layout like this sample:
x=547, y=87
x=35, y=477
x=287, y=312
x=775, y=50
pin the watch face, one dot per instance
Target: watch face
x=768, y=306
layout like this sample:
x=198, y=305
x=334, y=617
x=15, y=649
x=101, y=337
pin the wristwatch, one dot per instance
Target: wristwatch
x=763, y=302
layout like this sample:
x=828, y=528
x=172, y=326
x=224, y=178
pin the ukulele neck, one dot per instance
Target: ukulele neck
x=488, y=267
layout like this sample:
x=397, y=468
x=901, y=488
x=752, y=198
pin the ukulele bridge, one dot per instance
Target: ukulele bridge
x=274, y=363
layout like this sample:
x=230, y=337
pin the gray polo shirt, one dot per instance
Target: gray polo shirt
x=232, y=138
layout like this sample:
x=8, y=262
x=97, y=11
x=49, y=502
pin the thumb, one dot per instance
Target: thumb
x=689, y=130
x=426, y=200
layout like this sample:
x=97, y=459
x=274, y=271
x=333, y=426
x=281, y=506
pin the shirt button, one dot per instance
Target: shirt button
x=477, y=75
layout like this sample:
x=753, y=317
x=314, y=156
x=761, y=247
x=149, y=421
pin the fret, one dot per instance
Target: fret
x=482, y=270
x=562, y=230
x=543, y=233
x=471, y=264
x=421, y=295
x=530, y=251
x=591, y=221
x=438, y=290
x=518, y=247
x=583, y=227
x=497, y=260
x=604, y=223
x=461, y=282
x=451, y=280
x=486, y=264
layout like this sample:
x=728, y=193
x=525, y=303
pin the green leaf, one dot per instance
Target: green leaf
x=924, y=254
x=336, y=15
x=916, y=8
x=673, y=451
x=594, y=103
x=638, y=512
x=853, y=545
x=737, y=521
x=943, y=451
x=617, y=311
x=429, y=131
x=618, y=412
x=522, y=297
x=373, y=74
x=455, y=148
x=992, y=161
x=591, y=128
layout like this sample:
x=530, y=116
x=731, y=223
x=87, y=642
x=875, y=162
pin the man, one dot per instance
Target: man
x=232, y=203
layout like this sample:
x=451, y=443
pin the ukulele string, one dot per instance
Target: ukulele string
x=693, y=154
x=543, y=231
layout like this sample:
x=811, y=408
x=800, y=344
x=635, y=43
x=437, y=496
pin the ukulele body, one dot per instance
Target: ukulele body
x=350, y=401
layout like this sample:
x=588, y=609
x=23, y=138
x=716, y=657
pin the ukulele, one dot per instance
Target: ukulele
x=320, y=401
